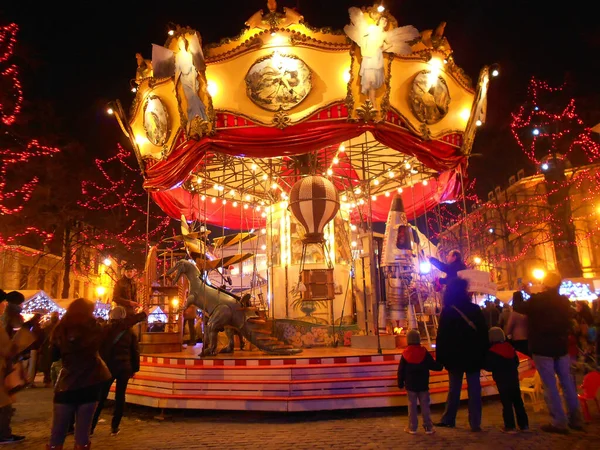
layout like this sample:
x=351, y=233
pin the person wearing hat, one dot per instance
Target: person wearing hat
x=549, y=318
x=125, y=292
x=502, y=361
x=413, y=373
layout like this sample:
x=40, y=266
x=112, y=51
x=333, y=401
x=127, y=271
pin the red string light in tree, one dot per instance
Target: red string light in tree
x=540, y=132
x=10, y=106
x=13, y=199
x=10, y=163
x=122, y=191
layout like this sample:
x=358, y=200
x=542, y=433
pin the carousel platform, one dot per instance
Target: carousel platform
x=317, y=379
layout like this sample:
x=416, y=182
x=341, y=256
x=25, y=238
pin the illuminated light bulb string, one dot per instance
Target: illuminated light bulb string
x=13, y=199
x=121, y=193
x=540, y=133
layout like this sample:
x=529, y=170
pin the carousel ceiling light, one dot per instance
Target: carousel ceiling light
x=329, y=172
x=357, y=191
x=353, y=227
x=346, y=76
x=110, y=111
x=373, y=197
x=263, y=231
x=380, y=8
x=387, y=194
x=414, y=171
x=400, y=190
x=216, y=187
x=199, y=180
x=258, y=208
x=254, y=167
x=336, y=160
x=213, y=200
x=134, y=89
x=283, y=195
x=203, y=198
x=232, y=192
x=391, y=174
x=478, y=123
x=376, y=182
x=344, y=198
x=274, y=186
x=353, y=244
x=342, y=148
x=224, y=202
x=248, y=197
x=263, y=215
x=425, y=182
x=465, y=113
x=262, y=203
x=235, y=204
x=265, y=177
x=245, y=206
x=263, y=247
x=171, y=32
x=407, y=165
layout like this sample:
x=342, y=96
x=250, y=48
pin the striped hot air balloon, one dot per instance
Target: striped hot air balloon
x=314, y=202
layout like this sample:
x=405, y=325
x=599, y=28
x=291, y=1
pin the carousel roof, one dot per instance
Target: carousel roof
x=223, y=130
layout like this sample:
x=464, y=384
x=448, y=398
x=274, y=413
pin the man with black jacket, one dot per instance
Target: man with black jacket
x=120, y=351
x=453, y=265
x=549, y=316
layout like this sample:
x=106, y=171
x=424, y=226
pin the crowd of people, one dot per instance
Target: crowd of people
x=546, y=327
x=80, y=355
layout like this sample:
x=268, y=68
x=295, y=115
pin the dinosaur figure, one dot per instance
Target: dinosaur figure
x=226, y=313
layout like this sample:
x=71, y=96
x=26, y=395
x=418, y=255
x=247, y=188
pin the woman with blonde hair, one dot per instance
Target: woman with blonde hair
x=77, y=338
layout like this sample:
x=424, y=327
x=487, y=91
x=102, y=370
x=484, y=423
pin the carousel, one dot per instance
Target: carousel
x=281, y=150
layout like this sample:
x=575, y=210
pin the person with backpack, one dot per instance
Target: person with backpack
x=461, y=345
x=120, y=352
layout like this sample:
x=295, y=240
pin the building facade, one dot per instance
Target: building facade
x=515, y=235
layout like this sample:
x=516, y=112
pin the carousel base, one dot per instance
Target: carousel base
x=317, y=379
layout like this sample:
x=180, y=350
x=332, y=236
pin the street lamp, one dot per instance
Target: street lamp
x=539, y=274
x=100, y=290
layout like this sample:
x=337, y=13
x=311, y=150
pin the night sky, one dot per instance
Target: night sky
x=76, y=56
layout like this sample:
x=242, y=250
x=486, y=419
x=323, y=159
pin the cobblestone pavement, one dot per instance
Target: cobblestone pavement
x=358, y=429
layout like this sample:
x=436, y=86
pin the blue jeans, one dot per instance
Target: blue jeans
x=455, y=378
x=413, y=417
x=549, y=368
x=63, y=415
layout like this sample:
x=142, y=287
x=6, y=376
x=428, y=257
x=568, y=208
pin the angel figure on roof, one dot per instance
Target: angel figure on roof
x=375, y=36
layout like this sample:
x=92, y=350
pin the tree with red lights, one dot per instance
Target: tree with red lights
x=557, y=205
x=119, y=203
x=17, y=153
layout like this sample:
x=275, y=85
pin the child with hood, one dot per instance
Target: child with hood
x=413, y=373
x=502, y=361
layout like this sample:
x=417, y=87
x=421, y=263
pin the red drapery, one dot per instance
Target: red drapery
x=164, y=178
x=417, y=200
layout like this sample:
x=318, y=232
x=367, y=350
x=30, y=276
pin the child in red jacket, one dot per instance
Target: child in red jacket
x=503, y=362
x=413, y=372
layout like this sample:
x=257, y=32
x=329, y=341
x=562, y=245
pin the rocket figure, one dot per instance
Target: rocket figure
x=398, y=264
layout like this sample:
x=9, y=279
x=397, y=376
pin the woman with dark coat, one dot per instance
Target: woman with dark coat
x=77, y=338
x=461, y=344
x=119, y=351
